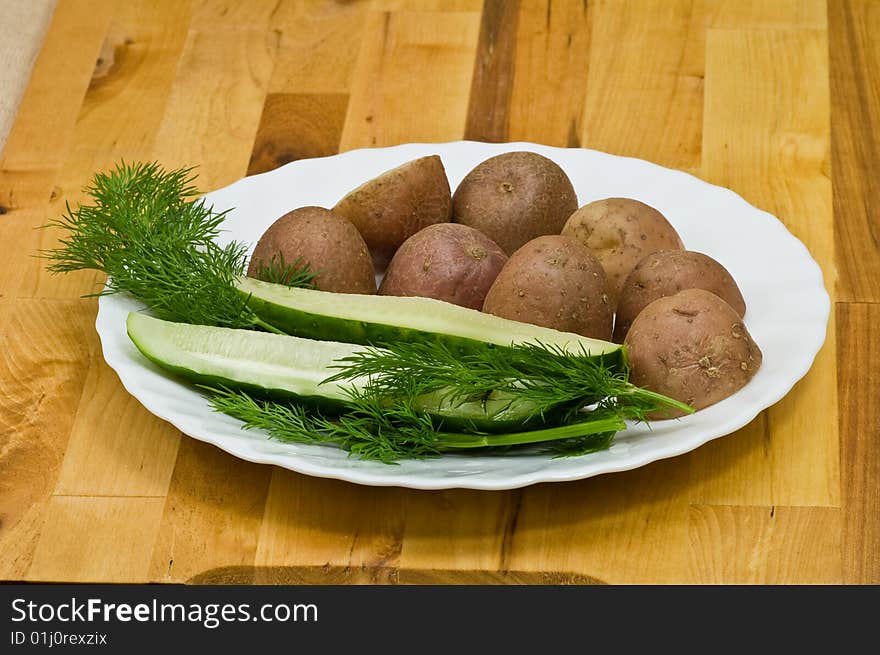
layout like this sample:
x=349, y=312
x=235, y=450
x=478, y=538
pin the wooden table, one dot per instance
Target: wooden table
x=741, y=93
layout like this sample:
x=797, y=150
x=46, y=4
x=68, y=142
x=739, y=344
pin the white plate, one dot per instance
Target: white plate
x=788, y=311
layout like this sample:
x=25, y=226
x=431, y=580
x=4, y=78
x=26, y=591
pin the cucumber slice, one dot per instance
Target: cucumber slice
x=378, y=320
x=268, y=364
x=280, y=366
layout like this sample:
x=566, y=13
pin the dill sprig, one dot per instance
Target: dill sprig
x=547, y=377
x=385, y=418
x=277, y=271
x=147, y=230
x=373, y=429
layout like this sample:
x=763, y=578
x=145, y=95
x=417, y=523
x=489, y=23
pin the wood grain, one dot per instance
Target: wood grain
x=297, y=126
x=42, y=381
x=767, y=139
x=776, y=100
x=757, y=545
x=411, y=78
x=140, y=48
x=216, y=101
x=94, y=539
x=855, y=107
x=859, y=385
x=211, y=516
x=644, y=94
x=552, y=71
x=492, y=82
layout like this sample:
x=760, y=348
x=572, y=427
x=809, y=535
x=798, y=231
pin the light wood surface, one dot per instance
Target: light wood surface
x=777, y=100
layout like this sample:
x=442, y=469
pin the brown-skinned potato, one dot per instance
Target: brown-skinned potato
x=514, y=197
x=665, y=273
x=328, y=243
x=446, y=261
x=692, y=347
x=620, y=232
x=555, y=282
x=390, y=208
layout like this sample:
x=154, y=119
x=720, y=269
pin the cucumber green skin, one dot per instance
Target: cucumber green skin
x=317, y=326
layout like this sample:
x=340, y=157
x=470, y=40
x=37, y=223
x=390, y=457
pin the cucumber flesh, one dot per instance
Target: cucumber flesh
x=281, y=366
x=377, y=320
x=271, y=364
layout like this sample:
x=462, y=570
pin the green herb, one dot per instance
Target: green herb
x=277, y=271
x=373, y=429
x=154, y=239
x=547, y=377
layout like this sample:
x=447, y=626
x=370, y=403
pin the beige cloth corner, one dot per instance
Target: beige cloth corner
x=22, y=30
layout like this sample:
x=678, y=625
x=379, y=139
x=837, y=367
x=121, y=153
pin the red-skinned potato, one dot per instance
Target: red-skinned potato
x=620, y=232
x=390, y=208
x=514, y=197
x=692, y=347
x=555, y=282
x=665, y=273
x=328, y=243
x=446, y=261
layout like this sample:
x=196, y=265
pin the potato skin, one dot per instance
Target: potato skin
x=446, y=261
x=692, y=347
x=620, y=232
x=514, y=197
x=555, y=282
x=665, y=273
x=390, y=208
x=328, y=243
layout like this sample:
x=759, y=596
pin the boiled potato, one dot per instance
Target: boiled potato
x=620, y=232
x=446, y=261
x=692, y=347
x=665, y=273
x=514, y=197
x=389, y=209
x=328, y=243
x=555, y=282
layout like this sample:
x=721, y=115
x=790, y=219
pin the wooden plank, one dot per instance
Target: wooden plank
x=224, y=14
x=427, y=5
x=102, y=460
x=137, y=65
x=765, y=94
x=492, y=83
x=212, y=514
x=319, y=45
x=859, y=389
x=761, y=545
x=297, y=126
x=760, y=14
x=411, y=79
x=315, y=521
x=216, y=100
x=459, y=529
x=96, y=539
x=552, y=66
x=645, y=92
x=624, y=528
x=45, y=350
x=855, y=112
x=26, y=197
